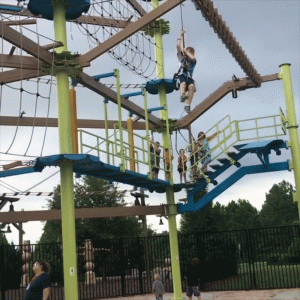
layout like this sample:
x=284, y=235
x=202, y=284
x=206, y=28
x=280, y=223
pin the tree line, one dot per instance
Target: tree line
x=278, y=210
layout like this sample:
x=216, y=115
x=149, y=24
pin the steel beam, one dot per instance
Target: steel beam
x=129, y=30
x=24, y=12
x=19, y=62
x=91, y=20
x=53, y=45
x=81, y=213
x=215, y=20
x=108, y=93
x=16, y=75
x=216, y=96
x=20, y=22
x=137, y=7
x=52, y=122
x=24, y=43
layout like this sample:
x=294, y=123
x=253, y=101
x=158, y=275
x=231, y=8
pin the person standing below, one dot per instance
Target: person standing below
x=187, y=60
x=154, y=157
x=182, y=167
x=193, y=279
x=158, y=287
x=204, y=149
x=39, y=286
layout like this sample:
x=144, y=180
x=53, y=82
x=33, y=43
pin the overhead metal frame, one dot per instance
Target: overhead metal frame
x=217, y=95
x=130, y=30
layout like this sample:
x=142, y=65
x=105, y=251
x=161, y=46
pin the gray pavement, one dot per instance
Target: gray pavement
x=293, y=294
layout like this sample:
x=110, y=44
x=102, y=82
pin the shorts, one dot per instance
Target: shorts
x=180, y=170
x=192, y=290
x=186, y=79
x=167, y=167
x=155, y=170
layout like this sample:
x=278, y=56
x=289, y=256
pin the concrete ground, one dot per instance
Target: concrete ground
x=282, y=294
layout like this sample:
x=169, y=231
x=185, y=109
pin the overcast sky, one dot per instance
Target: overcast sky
x=268, y=31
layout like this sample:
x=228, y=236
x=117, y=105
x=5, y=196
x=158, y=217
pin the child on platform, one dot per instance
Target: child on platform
x=167, y=158
x=204, y=149
x=154, y=157
x=182, y=167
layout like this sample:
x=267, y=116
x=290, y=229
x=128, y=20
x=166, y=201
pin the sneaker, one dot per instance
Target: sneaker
x=183, y=97
x=187, y=108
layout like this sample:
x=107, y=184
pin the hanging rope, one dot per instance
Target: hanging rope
x=181, y=16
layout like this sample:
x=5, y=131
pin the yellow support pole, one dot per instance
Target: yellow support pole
x=66, y=166
x=131, y=143
x=172, y=207
x=292, y=126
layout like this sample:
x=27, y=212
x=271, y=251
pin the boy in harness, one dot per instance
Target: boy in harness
x=187, y=59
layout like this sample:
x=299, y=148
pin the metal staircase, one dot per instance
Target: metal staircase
x=228, y=148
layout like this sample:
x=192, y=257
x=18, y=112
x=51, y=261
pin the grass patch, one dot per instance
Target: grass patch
x=261, y=276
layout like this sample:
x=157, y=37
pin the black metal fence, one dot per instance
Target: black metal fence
x=233, y=260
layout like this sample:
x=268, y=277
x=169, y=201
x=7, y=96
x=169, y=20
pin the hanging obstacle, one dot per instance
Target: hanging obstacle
x=74, y=8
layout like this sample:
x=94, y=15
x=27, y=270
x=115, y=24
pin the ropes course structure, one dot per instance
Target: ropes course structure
x=135, y=53
x=131, y=33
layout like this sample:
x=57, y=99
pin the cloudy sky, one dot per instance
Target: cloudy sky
x=268, y=31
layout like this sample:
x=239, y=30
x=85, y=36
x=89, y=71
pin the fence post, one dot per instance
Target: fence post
x=2, y=271
x=140, y=264
x=251, y=260
x=122, y=260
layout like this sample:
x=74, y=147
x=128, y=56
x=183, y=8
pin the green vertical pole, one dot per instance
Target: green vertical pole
x=172, y=207
x=106, y=129
x=66, y=167
x=285, y=76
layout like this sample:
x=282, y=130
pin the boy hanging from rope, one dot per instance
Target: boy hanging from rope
x=187, y=59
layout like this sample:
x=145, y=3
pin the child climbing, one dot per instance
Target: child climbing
x=204, y=149
x=182, y=167
x=154, y=156
x=187, y=60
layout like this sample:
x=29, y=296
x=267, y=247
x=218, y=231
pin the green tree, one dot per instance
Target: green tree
x=279, y=208
x=93, y=192
x=241, y=215
x=3, y=240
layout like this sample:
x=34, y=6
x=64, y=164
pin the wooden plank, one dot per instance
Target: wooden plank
x=81, y=213
x=52, y=122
